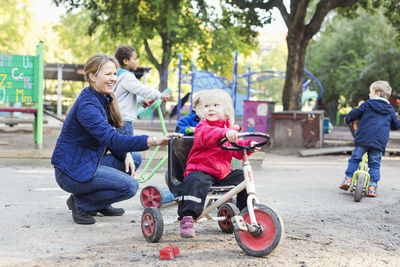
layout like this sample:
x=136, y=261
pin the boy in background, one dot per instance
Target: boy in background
x=187, y=124
x=128, y=90
x=376, y=117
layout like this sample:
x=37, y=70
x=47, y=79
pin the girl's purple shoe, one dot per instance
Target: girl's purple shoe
x=187, y=227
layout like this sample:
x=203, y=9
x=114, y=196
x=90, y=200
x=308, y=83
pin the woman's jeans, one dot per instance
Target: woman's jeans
x=109, y=185
x=374, y=162
x=127, y=129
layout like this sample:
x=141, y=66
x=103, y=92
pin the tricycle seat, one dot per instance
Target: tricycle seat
x=178, y=152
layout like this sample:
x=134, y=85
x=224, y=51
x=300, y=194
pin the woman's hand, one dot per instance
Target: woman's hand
x=161, y=141
x=253, y=143
x=232, y=136
x=129, y=164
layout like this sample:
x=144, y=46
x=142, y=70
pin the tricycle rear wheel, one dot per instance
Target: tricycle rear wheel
x=151, y=196
x=227, y=210
x=152, y=224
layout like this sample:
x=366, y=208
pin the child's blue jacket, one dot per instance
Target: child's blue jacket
x=376, y=117
x=189, y=120
x=85, y=136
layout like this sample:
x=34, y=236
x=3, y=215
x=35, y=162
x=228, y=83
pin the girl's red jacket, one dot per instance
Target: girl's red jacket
x=206, y=155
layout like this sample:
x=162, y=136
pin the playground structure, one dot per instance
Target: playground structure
x=32, y=83
x=204, y=80
x=21, y=82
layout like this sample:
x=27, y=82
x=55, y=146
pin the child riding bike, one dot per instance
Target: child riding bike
x=208, y=164
x=376, y=117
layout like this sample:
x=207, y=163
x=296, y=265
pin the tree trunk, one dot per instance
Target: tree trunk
x=162, y=67
x=163, y=70
x=292, y=91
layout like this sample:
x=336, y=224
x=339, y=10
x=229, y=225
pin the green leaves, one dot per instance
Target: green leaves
x=352, y=53
x=163, y=29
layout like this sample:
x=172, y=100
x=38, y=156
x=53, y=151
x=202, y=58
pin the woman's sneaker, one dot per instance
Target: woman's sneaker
x=187, y=227
x=345, y=184
x=78, y=215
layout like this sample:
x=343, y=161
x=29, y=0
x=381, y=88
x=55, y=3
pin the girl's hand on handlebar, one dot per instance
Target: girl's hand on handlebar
x=253, y=143
x=237, y=127
x=232, y=136
x=161, y=141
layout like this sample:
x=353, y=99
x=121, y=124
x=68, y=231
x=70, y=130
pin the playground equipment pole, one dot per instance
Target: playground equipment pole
x=38, y=125
x=191, y=82
x=179, y=86
x=318, y=82
x=234, y=79
x=248, y=80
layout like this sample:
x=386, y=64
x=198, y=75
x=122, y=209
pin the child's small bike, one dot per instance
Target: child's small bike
x=258, y=229
x=360, y=181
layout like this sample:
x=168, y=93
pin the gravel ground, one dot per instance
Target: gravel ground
x=323, y=225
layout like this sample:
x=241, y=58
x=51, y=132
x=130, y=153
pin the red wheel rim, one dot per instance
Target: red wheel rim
x=266, y=238
x=227, y=224
x=148, y=224
x=150, y=197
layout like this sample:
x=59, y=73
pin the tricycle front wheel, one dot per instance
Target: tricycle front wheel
x=268, y=239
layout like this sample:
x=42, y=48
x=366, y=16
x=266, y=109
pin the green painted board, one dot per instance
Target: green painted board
x=21, y=80
x=17, y=79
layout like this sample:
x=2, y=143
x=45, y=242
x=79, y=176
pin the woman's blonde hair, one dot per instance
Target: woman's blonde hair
x=93, y=65
x=225, y=99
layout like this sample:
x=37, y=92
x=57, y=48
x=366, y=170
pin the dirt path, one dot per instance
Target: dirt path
x=324, y=226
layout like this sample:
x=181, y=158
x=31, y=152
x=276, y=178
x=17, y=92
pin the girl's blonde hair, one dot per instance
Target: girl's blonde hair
x=93, y=65
x=382, y=87
x=225, y=99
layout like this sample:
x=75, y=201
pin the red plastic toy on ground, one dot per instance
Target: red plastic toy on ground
x=169, y=252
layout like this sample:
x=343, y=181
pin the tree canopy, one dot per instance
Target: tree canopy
x=303, y=19
x=350, y=54
x=164, y=29
x=15, y=23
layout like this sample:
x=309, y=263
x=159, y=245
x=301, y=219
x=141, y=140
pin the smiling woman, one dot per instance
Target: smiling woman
x=82, y=166
x=103, y=81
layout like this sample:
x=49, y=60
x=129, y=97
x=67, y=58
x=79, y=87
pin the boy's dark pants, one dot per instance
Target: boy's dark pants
x=374, y=162
x=195, y=187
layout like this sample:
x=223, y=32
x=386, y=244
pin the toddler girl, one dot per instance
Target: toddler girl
x=208, y=164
